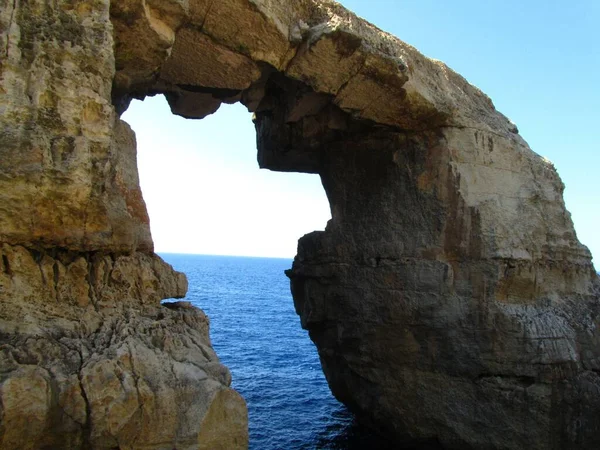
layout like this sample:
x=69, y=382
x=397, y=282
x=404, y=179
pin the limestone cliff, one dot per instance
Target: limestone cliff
x=88, y=356
x=449, y=297
x=90, y=360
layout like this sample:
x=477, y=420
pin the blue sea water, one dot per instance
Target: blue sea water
x=275, y=366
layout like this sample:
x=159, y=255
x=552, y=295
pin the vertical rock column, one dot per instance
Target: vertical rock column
x=449, y=297
x=449, y=303
x=88, y=356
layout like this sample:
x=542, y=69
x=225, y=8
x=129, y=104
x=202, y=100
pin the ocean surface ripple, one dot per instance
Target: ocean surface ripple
x=256, y=333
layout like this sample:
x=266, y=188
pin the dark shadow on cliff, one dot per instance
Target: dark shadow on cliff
x=346, y=433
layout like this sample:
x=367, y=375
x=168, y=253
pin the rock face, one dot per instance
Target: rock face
x=90, y=360
x=88, y=356
x=449, y=297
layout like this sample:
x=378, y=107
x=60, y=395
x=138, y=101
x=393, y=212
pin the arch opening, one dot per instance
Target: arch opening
x=204, y=193
x=210, y=168
x=424, y=255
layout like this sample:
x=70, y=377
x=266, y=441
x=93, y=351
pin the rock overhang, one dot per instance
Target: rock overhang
x=370, y=74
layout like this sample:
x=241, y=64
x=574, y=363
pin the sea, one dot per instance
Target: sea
x=275, y=366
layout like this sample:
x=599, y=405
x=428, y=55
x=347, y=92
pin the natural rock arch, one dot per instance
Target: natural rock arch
x=449, y=297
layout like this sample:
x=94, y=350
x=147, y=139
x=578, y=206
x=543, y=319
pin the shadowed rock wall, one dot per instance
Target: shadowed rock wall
x=449, y=297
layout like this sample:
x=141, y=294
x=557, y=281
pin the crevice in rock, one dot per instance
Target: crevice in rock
x=87, y=426
x=92, y=282
x=55, y=389
x=206, y=13
x=299, y=50
x=6, y=266
x=523, y=381
x=202, y=349
x=481, y=130
x=352, y=76
x=39, y=258
x=136, y=377
x=284, y=58
x=56, y=276
x=10, y=22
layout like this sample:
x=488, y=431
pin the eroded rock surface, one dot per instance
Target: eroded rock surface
x=90, y=359
x=449, y=297
x=88, y=356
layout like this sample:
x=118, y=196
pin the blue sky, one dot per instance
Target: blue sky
x=539, y=61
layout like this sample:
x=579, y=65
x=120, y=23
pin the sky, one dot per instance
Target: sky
x=539, y=61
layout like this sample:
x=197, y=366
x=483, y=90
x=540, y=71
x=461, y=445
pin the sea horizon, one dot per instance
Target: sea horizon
x=223, y=255
x=256, y=333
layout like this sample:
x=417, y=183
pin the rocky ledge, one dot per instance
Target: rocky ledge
x=449, y=297
x=90, y=359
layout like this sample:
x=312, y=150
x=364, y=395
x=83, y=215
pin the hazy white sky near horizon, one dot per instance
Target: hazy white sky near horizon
x=537, y=60
x=205, y=193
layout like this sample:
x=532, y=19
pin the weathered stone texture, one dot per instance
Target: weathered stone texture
x=90, y=359
x=449, y=297
x=88, y=356
x=58, y=130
